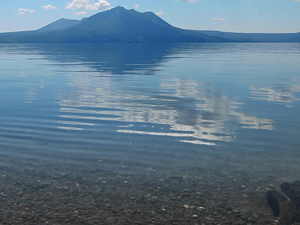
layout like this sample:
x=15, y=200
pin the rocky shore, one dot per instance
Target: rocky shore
x=36, y=192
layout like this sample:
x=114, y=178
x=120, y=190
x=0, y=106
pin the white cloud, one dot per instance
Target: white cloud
x=136, y=6
x=22, y=11
x=26, y=10
x=160, y=13
x=88, y=4
x=80, y=13
x=296, y=0
x=47, y=7
x=219, y=19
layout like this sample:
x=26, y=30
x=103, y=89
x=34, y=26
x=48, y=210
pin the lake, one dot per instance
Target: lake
x=147, y=133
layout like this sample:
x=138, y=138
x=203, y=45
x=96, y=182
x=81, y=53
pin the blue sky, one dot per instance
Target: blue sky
x=267, y=16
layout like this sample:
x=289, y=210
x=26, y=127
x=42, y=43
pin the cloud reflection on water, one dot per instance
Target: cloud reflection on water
x=128, y=84
x=196, y=113
x=283, y=94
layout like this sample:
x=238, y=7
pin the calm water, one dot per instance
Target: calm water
x=149, y=104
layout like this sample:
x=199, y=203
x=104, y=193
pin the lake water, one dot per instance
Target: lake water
x=152, y=107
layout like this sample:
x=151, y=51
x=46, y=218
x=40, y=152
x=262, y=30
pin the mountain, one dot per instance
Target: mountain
x=121, y=25
x=115, y=25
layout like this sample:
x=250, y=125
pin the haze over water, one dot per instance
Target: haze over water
x=150, y=104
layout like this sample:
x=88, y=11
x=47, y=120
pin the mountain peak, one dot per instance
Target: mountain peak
x=59, y=25
x=119, y=8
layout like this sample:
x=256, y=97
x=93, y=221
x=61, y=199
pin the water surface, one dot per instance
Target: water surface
x=150, y=104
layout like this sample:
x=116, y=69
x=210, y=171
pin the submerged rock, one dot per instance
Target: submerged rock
x=286, y=209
